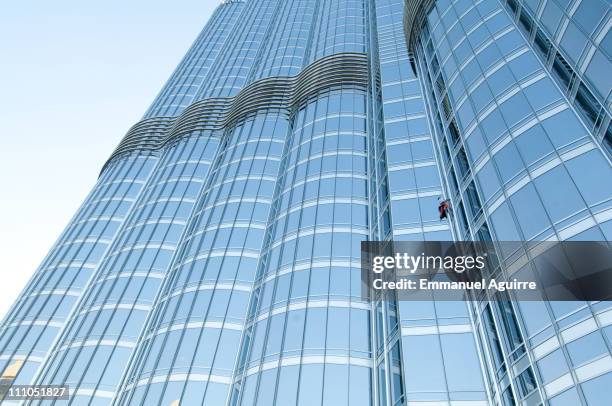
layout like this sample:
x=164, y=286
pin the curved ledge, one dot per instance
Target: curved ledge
x=146, y=134
x=276, y=93
x=414, y=12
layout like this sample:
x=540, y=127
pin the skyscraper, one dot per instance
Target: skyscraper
x=217, y=259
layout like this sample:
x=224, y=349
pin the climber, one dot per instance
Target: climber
x=443, y=207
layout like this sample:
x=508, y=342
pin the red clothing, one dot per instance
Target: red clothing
x=443, y=209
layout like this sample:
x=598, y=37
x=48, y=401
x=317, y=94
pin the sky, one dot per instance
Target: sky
x=74, y=76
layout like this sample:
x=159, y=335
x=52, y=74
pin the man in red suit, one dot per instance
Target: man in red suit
x=443, y=208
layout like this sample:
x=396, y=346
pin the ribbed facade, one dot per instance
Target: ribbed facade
x=217, y=259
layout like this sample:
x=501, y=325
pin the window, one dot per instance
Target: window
x=529, y=212
x=591, y=187
x=461, y=363
x=311, y=385
x=423, y=362
x=559, y=195
x=552, y=366
x=526, y=382
x=587, y=348
x=563, y=128
x=488, y=181
x=596, y=391
x=287, y=385
x=405, y=211
x=335, y=388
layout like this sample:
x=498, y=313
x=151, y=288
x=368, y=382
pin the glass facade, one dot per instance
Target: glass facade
x=520, y=160
x=217, y=259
